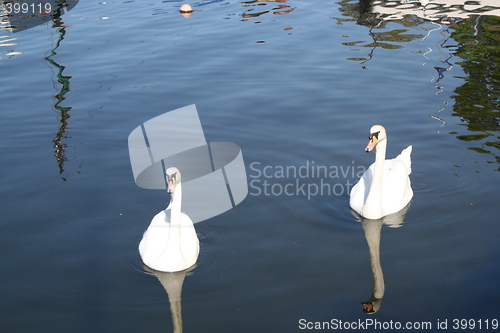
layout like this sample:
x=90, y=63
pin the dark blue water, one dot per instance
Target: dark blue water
x=293, y=84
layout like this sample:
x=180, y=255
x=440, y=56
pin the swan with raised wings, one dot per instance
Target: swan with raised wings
x=385, y=187
x=170, y=243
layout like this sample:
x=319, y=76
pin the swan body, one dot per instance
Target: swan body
x=170, y=243
x=384, y=188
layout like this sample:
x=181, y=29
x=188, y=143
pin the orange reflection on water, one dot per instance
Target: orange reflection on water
x=253, y=11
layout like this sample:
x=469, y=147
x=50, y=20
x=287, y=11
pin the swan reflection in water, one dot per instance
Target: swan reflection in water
x=372, y=229
x=172, y=282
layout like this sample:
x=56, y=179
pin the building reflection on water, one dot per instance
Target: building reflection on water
x=470, y=36
x=18, y=16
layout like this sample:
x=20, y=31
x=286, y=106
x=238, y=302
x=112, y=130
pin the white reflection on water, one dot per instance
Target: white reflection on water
x=172, y=282
x=435, y=10
x=372, y=229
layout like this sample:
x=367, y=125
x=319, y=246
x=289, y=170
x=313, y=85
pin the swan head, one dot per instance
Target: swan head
x=377, y=134
x=173, y=176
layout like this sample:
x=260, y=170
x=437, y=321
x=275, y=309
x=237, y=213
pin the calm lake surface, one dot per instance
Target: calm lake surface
x=296, y=85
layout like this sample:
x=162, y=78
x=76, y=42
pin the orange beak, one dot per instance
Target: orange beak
x=371, y=143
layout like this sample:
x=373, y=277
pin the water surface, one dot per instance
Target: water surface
x=293, y=84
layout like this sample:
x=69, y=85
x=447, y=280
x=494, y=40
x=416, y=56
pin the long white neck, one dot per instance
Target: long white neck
x=175, y=218
x=176, y=202
x=373, y=205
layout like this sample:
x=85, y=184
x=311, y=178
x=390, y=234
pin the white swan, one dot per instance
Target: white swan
x=385, y=187
x=170, y=243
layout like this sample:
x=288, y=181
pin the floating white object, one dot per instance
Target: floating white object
x=385, y=187
x=185, y=8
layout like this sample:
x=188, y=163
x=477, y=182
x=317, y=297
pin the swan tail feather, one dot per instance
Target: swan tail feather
x=406, y=158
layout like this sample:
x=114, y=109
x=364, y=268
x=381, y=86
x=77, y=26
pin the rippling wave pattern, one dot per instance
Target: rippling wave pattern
x=257, y=8
x=6, y=42
x=257, y=11
x=292, y=83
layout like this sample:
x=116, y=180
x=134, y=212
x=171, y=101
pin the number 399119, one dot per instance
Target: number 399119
x=25, y=8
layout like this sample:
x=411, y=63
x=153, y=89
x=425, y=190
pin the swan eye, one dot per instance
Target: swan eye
x=370, y=137
x=172, y=177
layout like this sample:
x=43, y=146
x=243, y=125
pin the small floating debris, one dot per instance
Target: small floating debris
x=186, y=10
